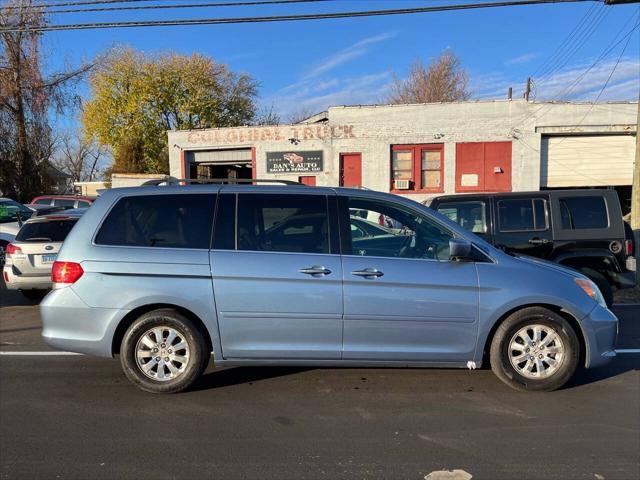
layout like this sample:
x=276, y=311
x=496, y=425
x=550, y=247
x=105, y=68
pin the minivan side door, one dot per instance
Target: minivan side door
x=277, y=276
x=523, y=225
x=404, y=299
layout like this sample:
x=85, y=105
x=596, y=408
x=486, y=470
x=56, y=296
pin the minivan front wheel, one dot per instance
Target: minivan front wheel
x=535, y=349
x=163, y=352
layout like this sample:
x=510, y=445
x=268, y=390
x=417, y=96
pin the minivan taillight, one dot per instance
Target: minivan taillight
x=65, y=273
x=628, y=244
x=11, y=249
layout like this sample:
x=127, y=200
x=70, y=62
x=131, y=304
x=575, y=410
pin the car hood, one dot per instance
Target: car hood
x=549, y=266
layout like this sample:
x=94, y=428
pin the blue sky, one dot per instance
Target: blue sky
x=315, y=64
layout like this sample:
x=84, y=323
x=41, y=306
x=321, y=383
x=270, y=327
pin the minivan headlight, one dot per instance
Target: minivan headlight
x=592, y=290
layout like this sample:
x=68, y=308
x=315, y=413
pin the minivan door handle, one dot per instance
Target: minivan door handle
x=315, y=271
x=368, y=273
x=538, y=241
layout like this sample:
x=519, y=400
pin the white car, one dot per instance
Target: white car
x=9, y=224
x=30, y=256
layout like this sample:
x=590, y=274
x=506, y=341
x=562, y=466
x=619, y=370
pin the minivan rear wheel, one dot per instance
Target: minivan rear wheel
x=163, y=352
x=535, y=349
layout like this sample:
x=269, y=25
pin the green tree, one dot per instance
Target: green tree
x=135, y=99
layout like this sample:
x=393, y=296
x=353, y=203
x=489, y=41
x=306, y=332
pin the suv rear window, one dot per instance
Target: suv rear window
x=49, y=231
x=283, y=223
x=469, y=215
x=583, y=212
x=169, y=221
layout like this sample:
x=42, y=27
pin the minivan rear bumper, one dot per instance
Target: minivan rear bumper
x=601, y=329
x=70, y=324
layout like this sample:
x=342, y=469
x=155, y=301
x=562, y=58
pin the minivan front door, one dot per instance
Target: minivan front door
x=404, y=300
x=278, y=281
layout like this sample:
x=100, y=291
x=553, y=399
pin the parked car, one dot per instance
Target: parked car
x=39, y=209
x=165, y=276
x=11, y=215
x=66, y=201
x=30, y=256
x=581, y=229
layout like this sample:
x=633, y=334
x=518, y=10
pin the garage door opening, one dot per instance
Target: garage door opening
x=227, y=164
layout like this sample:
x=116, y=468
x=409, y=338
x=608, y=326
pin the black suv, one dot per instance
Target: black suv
x=581, y=229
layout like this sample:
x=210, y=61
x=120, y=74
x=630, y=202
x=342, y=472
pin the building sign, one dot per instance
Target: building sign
x=295, y=162
x=244, y=135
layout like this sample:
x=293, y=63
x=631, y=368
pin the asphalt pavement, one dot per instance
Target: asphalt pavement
x=77, y=417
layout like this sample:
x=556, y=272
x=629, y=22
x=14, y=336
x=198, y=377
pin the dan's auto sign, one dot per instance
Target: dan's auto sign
x=295, y=162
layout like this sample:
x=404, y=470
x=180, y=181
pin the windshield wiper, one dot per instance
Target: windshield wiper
x=41, y=239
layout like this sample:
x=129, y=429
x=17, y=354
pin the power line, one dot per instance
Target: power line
x=183, y=5
x=282, y=18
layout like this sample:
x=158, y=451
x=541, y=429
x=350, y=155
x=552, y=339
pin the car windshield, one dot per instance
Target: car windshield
x=9, y=210
x=49, y=231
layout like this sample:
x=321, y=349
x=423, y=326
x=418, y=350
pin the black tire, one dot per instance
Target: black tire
x=601, y=282
x=500, y=350
x=197, y=358
x=35, y=295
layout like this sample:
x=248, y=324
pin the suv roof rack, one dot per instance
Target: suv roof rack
x=204, y=181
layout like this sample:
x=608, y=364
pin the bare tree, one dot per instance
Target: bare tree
x=26, y=99
x=267, y=116
x=81, y=158
x=443, y=80
x=300, y=115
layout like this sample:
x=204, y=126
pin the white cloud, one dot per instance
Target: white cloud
x=315, y=90
x=356, y=50
x=520, y=59
x=577, y=82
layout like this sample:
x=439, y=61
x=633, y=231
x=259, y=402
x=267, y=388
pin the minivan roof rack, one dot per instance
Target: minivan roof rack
x=206, y=181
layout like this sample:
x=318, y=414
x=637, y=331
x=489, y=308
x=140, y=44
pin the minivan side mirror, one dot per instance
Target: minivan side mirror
x=459, y=249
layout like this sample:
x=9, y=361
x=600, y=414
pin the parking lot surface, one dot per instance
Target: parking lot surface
x=69, y=416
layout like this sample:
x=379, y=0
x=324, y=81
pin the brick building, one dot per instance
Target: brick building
x=428, y=149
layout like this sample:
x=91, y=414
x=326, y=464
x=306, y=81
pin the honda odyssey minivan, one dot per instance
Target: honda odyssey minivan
x=167, y=276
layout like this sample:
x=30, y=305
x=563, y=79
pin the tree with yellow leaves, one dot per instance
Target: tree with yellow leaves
x=136, y=98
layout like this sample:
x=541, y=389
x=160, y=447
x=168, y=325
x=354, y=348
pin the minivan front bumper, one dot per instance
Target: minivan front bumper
x=70, y=324
x=601, y=330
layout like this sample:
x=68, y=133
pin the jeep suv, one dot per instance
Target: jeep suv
x=581, y=229
x=166, y=276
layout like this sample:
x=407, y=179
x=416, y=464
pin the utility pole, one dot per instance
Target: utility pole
x=527, y=89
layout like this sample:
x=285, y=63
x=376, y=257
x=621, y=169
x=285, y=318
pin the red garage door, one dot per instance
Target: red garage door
x=483, y=167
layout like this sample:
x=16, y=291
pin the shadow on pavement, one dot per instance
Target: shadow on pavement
x=623, y=363
x=243, y=375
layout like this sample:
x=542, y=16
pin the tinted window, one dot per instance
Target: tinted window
x=9, y=210
x=83, y=204
x=43, y=201
x=224, y=235
x=64, y=202
x=387, y=230
x=469, y=215
x=522, y=215
x=283, y=223
x=583, y=212
x=49, y=231
x=176, y=221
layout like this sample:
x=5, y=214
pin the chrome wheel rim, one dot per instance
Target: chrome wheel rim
x=536, y=351
x=162, y=353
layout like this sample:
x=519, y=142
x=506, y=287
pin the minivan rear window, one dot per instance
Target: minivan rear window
x=169, y=221
x=49, y=231
x=583, y=213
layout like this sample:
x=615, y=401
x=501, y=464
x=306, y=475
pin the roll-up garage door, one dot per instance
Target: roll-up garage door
x=220, y=157
x=576, y=161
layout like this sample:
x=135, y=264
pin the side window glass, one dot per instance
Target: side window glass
x=64, y=202
x=469, y=215
x=387, y=230
x=170, y=221
x=224, y=235
x=522, y=215
x=283, y=223
x=583, y=212
x=82, y=204
x=43, y=201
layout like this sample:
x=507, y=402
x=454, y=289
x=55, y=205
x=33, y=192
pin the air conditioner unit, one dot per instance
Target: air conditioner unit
x=401, y=184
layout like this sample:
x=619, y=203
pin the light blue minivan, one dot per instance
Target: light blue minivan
x=165, y=276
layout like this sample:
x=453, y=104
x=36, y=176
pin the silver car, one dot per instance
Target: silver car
x=167, y=276
x=30, y=256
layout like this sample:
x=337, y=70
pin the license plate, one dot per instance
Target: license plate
x=49, y=258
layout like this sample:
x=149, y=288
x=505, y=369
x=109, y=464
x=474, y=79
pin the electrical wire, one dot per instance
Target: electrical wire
x=280, y=18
